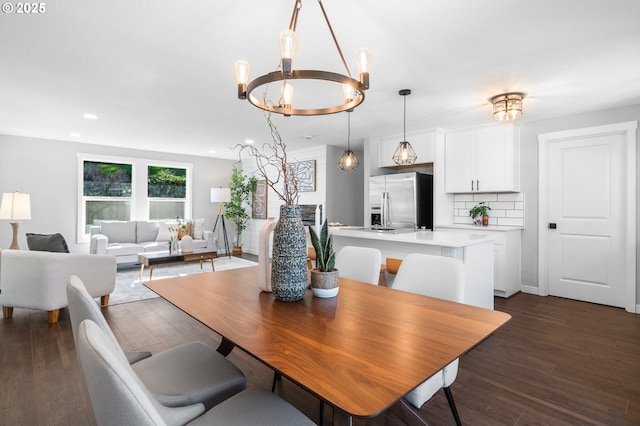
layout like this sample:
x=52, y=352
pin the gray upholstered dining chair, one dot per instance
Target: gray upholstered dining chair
x=183, y=375
x=119, y=397
x=444, y=278
x=359, y=263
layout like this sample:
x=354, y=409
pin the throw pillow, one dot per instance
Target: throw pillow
x=185, y=229
x=198, y=228
x=47, y=242
x=165, y=230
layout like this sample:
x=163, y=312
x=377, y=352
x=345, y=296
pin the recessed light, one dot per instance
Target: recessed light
x=212, y=151
x=90, y=116
x=308, y=137
x=249, y=141
x=76, y=135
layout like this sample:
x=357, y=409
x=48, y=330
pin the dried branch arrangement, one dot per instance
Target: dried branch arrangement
x=272, y=165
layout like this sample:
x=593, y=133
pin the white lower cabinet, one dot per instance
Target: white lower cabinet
x=506, y=257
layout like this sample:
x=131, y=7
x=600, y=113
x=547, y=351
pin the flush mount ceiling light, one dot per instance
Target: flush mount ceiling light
x=348, y=162
x=507, y=106
x=404, y=154
x=352, y=89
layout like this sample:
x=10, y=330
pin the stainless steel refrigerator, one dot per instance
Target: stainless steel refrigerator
x=401, y=200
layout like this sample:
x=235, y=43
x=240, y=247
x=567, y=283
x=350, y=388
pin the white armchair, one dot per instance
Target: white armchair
x=38, y=279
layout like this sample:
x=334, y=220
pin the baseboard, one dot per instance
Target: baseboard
x=530, y=289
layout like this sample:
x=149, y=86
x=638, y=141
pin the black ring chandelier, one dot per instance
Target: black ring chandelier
x=352, y=89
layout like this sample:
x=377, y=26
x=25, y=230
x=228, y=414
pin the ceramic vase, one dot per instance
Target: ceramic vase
x=187, y=244
x=289, y=263
x=264, y=255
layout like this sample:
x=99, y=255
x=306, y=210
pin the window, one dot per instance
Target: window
x=106, y=192
x=167, y=191
x=117, y=188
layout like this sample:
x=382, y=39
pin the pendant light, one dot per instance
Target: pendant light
x=404, y=154
x=348, y=162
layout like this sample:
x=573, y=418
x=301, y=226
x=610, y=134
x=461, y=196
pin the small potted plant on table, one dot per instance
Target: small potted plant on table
x=324, y=277
x=480, y=214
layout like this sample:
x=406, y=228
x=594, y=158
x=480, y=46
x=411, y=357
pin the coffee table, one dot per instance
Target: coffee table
x=163, y=257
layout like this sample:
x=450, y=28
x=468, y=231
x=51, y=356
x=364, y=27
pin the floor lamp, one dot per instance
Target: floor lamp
x=221, y=195
x=15, y=207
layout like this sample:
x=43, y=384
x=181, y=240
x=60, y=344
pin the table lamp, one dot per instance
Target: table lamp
x=15, y=207
x=221, y=195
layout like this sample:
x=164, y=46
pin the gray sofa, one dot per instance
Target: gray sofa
x=125, y=239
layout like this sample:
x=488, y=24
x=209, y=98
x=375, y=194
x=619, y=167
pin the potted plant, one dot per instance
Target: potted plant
x=324, y=277
x=480, y=214
x=241, y=186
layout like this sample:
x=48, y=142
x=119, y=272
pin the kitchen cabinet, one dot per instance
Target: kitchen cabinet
x=483, y=159
x=507, y=243
x=423, y=143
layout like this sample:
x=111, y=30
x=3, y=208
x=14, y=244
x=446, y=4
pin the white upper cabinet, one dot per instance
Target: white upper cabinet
x=423, y=144
x=484, y=159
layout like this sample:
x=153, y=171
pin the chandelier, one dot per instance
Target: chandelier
x=348, y=162
x=404, y=154
x=507, y=106
x=352, y=89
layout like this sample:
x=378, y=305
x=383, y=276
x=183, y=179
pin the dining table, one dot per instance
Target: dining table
x=360, y=352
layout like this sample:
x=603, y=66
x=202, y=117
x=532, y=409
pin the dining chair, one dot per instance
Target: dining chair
x=444, y=278
x=119, y=397
x=179, y=376
x=359, y=263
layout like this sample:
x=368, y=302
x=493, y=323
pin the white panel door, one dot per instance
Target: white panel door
x=586, y=185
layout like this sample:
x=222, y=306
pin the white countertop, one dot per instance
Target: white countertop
x=481, y=228
x=434, y=238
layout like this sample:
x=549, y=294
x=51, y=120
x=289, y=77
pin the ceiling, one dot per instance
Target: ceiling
x=159, y=74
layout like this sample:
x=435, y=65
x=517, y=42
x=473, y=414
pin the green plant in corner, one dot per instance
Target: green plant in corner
x=323, y=244
x=241, y=186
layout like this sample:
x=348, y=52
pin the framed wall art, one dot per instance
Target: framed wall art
x=305, y=171
x=259, y=200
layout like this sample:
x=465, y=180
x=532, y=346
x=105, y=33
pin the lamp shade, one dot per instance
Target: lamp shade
x=15, y=206
x=220, y=195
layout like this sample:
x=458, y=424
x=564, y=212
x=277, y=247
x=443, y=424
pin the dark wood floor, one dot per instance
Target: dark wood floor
x=556, y=362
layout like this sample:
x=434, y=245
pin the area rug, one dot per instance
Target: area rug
x=129, y=288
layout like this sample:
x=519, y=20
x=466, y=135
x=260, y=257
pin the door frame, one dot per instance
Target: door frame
x=628, y=129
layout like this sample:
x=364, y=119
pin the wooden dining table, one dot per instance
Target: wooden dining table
x=360, y=352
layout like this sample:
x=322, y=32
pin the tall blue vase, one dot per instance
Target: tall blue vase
x=289, y=262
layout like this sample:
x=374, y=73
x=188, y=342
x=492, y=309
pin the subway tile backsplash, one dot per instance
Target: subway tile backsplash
x=506, y=209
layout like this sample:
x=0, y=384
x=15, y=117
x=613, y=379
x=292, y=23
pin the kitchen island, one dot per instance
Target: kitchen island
x=475, y=251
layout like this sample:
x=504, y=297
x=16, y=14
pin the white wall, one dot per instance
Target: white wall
x=47, y=170
x=345, y=190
